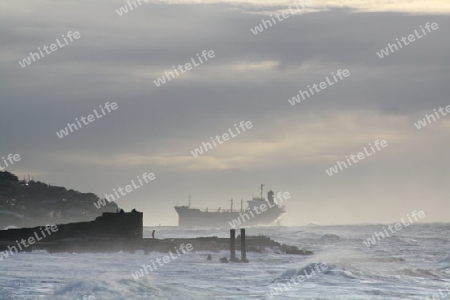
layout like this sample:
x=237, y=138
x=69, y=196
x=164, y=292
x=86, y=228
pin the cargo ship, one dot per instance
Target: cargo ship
x=270, y=213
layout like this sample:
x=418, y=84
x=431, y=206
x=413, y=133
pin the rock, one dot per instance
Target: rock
x=330, y=237
x=224, y=260
x=254, y=249
x=295, y=250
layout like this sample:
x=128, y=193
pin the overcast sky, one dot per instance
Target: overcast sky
x=250, y=78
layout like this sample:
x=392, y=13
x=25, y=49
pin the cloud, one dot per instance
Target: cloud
x=251, y=78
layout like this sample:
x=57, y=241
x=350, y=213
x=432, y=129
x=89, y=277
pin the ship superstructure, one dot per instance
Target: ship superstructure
x=195, y=217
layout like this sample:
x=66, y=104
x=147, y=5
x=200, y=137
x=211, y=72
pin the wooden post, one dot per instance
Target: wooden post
x=243, y=250
x=232, y=248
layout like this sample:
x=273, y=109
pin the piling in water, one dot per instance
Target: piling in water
x=243, y=250
x=232, y=246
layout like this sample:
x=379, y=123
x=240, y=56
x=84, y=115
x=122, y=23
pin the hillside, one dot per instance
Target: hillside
x=33, y=203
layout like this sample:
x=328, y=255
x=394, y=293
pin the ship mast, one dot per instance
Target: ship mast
x=189, y=200
x=262, y=186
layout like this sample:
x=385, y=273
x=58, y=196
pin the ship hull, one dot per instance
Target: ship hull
x=192, y=217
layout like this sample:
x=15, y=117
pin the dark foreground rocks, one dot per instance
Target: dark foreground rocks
x=257, y=244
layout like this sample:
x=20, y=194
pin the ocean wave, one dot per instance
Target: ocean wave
x=430, y=274
x=314, y=270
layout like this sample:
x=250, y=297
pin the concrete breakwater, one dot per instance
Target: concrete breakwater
x=208, y=244
x=113, y=232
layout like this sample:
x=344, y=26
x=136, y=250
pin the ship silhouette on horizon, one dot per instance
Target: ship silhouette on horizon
x=195, y=217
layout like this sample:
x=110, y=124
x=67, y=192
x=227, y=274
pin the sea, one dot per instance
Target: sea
x=412, y=263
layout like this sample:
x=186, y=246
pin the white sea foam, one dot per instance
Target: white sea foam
x=390, y=270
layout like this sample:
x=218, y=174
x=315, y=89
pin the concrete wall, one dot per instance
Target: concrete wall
x=109, y=225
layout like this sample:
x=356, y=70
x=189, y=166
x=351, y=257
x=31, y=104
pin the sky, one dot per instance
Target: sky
x=250, y=78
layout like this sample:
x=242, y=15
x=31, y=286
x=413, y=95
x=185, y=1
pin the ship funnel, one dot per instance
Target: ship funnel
x=270, y=197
